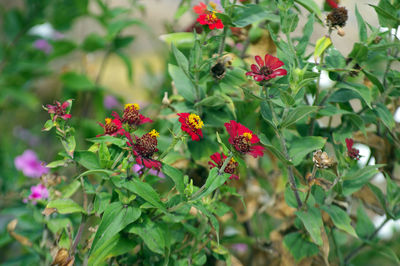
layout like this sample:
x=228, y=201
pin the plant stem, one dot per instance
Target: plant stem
x=355, y=251
x=315, y=103
x=290, y=42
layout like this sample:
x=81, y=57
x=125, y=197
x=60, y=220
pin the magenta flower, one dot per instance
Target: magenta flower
x=110, y=102
x=138, y=169
x=43, y=46
x=37, y=193
x=240, y=247
x=267, y=69
x=30, y=165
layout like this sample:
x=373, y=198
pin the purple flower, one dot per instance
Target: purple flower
x=138, y=168
x=37, y=193
x=30, y=165
x=110, y=102
x=240, y=247
x=43, y=46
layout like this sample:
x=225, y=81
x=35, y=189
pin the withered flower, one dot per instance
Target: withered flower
x=337, y=17
x=322, y=160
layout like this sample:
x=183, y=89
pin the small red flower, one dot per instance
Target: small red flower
x=59, y=110
x=243, y=139
x=208, y=17
x=268, y=68
x=112, y=127
x=191, y=124
x=353, y=153
x=219, y=159
x=144, y=149
x=332, y=3
x=131, y=115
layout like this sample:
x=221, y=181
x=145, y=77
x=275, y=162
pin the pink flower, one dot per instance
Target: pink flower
x=267, y=69
x=110, y=102
x=139, y=168
x=353, y=153
x=38, y=192
x=218, y=160
x=43, y=46
x=30, y=165
x=59, y=110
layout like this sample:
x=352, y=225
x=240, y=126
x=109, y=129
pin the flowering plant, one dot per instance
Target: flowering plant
x=260, y=146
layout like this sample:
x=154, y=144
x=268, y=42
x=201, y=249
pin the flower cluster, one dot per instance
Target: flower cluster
x=38, y=192
x=59, y=110
x=30, y=165
x=207, y=17
x=191, y=124
x=353, y=153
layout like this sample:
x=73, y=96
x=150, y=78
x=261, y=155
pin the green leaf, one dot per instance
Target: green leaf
x=380, y=197
x=70, y=189
x=364, y=228
x=385, y=116
x=77, y=82
x=299, y=246
x=274, y=150
x=267, y=114
x=214, y=181
x=388, y=253
x=362, y=90
x=57, y=163
x=311, y=6
x=374, y=80
x=151, y=234
x=387, y=15
x=145, y=191
x=340, y=218
x=101, y=202
x=359, y=52
x=128, y=64
x=62, y=48
x=305, y=39
x=303, y=146
x=353, y=181
x=298, y=113
x=93, y=42
x=69, y=145
x=249, y=14
x=182, y=83
x=176, y=176
x=115, y=27
x=312, y=221
x=362, y=29
x=95, y=171
x=104, y=155
x=48, y=125
x=109, y=139
x=115, y=246
x=320, y=47
x=212, y=218
x=286, y=98
x=392, y=192
x=289, y=22
x=65, y=206
x=212, y=101
x=180, y=39
x=181, y=59
x=87, y=159
x=115, y=218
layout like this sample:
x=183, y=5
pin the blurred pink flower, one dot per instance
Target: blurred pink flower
x=110, y=102
x=240, y=247
x=30, y=165
x=138, y=168
x=43, y=46
x=37, y=193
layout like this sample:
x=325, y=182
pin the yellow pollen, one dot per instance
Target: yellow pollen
x=154, y=133
x=195, y=121
x=134, y=105
x=108, y=120
x=213, y=5
x=248, y=135
x=233, y=160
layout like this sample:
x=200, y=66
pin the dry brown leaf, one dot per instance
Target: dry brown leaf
x=325, y=246
x=49, y=211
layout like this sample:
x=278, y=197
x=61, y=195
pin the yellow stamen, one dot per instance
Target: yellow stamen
x=248, y=135
x=233, y=160
x=154, y=133
x=213, y=5
x=108, y=120
x=134, y=105
x=195, y=121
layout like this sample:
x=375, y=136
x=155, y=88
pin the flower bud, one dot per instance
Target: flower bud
x=341, y=32
x=165, y=100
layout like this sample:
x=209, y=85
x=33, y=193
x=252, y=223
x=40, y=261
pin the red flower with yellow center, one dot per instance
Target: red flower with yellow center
x=191, y=124
x=208, y=17
x=59, y=110
x=266, y=69
x=352, y=152
x=132, y=116
x=243, y=139
x=144, y=149
x=112, y=127
x=218, y=160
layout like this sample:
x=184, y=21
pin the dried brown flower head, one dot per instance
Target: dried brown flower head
x=337, y=17
x=322, y=160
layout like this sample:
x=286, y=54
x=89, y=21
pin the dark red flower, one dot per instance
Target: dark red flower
x=59, y=110
x=219, y=159
x=144, y=149
x=352, y=152
x=268, y=68
x=112, y=127
x=208, y=17
x=332, y=3
x=132, y=116
x=243, y=139
x=192, y=124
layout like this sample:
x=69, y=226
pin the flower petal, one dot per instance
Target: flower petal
x=259, y=61
x=255, y=69
x=259, y=77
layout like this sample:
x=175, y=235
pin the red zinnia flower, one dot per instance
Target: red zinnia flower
x=243, y=139
x=131, y=115
x=268, y=69
x=144, y=148
x=332, y=3
x=219, y=159
x=192, y=124
x=59, y=110
x=208, y=17
x=112, y=127
x=352, y=152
